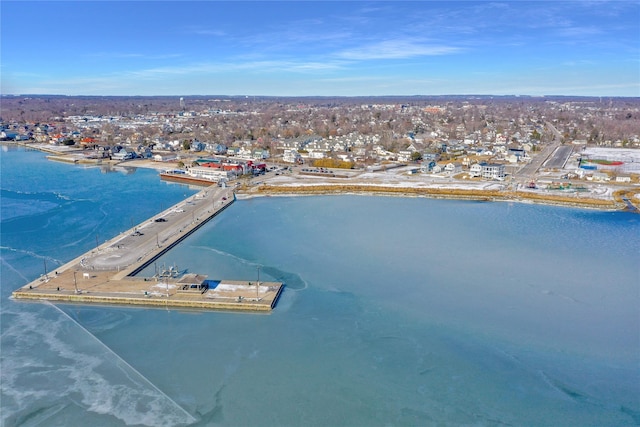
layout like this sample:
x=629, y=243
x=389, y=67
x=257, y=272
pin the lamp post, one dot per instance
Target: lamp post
x=258, y=285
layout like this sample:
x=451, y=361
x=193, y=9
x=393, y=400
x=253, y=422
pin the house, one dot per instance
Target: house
x=437, y=168
x=216, y=148
x=339, y=146
x=292, y=156
x=511, y=158
x=56, y=139
x=319, y=145
x=8, y=136
x=289, y=145
x=382, y=153
x=623, y=178
x=198, y=146
x=164, y=157
x=345, y=157
x=518, y=152
x=123, y=154
x=600, y=177
x=456, y=150
x=404, y=155
x=415, y=146
x=244, y=153
x=144, y=152
x=500, y=150
x=316, y=154
x=527, y=147
x=427, y=166
x=233, y=151
x=476, y=169
x=261, y=153
x=89, y=142
x=453, y=168
x=493, y=171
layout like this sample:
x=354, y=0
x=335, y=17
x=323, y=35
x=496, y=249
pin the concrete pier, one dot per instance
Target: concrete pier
x=106, y=274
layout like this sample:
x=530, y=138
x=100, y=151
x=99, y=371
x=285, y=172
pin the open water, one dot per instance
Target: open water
x=397, y=311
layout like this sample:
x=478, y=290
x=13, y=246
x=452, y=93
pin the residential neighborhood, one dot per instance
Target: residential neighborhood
x=487, y=138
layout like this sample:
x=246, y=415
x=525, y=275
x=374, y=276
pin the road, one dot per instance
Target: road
x=133, y=246
x=528, y=171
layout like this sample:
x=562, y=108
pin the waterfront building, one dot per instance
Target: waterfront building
x=211, y=174
x=493, y=171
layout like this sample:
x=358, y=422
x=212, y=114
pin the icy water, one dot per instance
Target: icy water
x=397, y=311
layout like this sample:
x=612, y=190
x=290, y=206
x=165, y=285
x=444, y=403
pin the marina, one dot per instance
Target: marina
x=108, y=273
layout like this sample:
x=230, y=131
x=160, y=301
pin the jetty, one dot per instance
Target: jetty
x=108, y=273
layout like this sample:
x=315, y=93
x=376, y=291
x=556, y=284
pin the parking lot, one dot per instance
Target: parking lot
x=132, y=246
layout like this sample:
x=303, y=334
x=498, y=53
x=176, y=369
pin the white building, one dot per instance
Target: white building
x=404, y=155
x=123, y=154
x=165, y=157
x=292, y=156
x=211, y=174
x=453, y=168
x=476, y=169
x=316, y=154
x=493, y=171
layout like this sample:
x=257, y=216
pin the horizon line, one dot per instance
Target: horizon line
x=324, y=96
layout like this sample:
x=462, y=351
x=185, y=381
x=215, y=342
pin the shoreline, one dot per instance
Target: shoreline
x=311, y=186
x=441, y=193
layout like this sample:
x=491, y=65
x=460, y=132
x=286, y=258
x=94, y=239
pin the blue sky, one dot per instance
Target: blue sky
x=327, y=48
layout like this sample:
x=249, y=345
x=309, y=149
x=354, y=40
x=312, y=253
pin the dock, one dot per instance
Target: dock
x=108, y=273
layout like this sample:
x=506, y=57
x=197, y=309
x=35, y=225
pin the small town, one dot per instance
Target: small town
x=319, y=213
x=584, y=147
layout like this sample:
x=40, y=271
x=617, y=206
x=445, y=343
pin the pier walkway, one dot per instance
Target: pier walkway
x=107, y=274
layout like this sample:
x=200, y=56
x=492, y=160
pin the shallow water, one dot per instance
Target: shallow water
x=396, y=312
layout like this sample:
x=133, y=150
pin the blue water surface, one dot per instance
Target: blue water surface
x=397, y=311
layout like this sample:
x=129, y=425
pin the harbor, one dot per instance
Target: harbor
x=108, y=273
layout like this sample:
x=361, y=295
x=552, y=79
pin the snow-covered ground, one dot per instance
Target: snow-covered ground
x=629, y=156
x=398, y=177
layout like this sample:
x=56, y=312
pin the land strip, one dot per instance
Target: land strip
x=575, y=200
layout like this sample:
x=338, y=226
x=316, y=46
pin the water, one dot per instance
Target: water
x=396, y=312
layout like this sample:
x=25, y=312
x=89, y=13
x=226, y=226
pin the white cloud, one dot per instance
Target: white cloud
x=579, y=63
x=132, y=55
x=205, y=32
x=579, y=32
x=396, y=49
